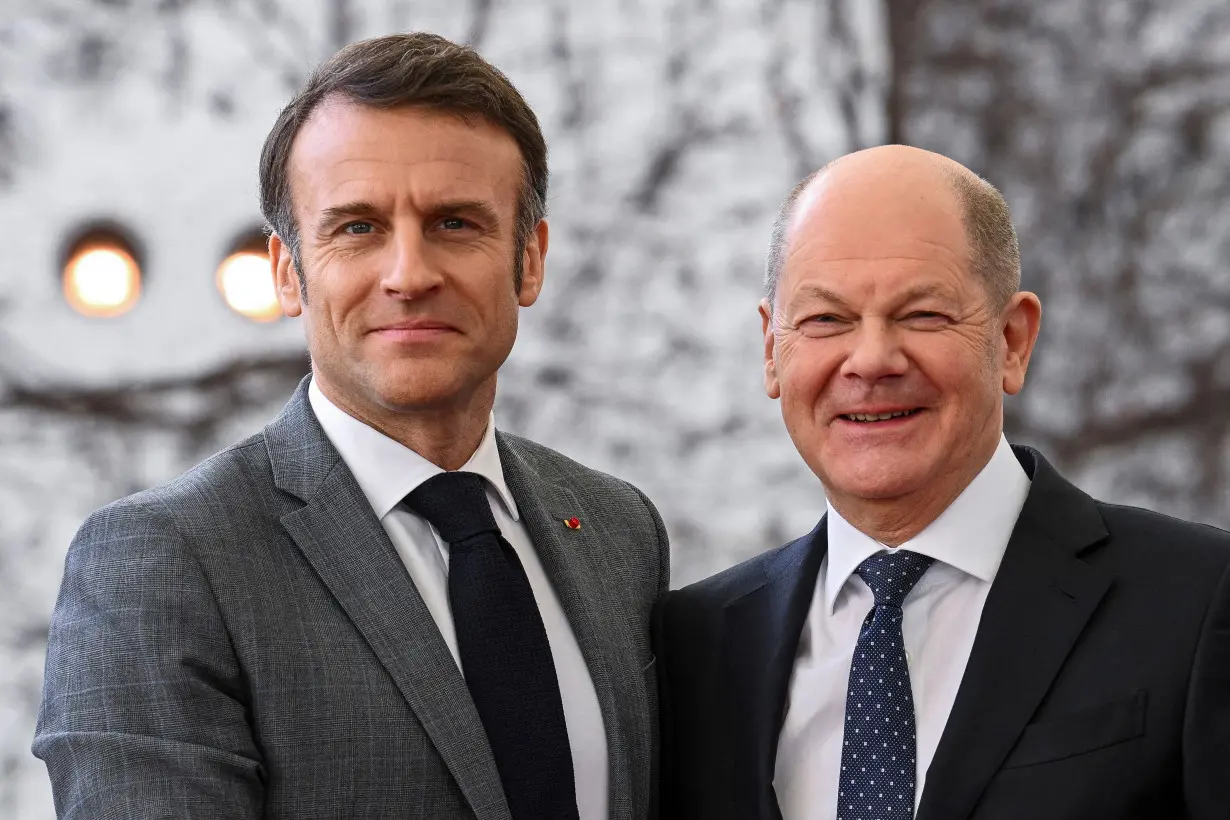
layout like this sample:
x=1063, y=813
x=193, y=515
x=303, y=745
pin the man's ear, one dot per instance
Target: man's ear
x=771, y=384
x=1022, y=319
x=285, y=277
x=533, y=265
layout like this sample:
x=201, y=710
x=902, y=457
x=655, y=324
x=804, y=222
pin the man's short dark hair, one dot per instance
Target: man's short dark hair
x=995, y=254
x=415, y=70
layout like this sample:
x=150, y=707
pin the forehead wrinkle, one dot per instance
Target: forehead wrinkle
x=329, y=147
x=868, y=291
x=911, y=292
x=460, y=159
x=890, y=257
x=419, y=195
x=813, y=265
x=820, y=244
x=418, y=170
x=805, y=292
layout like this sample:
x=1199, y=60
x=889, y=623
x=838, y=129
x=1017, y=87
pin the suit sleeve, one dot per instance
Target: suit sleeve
x=664, y=578
x=666, y=765
x=1206, y=731
x=143, y=712
x=664, y=546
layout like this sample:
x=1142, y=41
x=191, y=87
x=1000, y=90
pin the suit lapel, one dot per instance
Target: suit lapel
x=572, y=562
x=1041, y=599
x=340, y=536
x=763, y=626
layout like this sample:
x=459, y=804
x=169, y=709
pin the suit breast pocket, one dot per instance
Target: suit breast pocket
x=1080, y=732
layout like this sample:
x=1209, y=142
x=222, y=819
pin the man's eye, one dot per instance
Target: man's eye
x=825, y=319
x=358, y=228
x=453, y=223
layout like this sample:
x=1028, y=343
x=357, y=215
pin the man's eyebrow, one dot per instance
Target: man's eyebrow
x=349, y=210
x=927, y=291
x=475, y=207
x=363, y=209
x=816, y=292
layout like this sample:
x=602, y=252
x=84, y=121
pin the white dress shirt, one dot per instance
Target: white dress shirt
x=387, y=471
x=941, y=617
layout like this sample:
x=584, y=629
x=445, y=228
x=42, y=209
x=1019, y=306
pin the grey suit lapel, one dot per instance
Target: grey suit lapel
x=340, y=536
x=573, y=563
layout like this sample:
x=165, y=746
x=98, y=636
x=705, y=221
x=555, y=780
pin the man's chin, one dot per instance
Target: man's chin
x=419, y=400
x=879, y=477
x=435, y=387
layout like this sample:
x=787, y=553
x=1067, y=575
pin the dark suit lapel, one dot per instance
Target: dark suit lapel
x=1042, y=597
x=763, y=626
x=340, y=536
x=572, y=561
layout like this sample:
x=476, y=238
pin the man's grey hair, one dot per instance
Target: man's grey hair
x=995, y=254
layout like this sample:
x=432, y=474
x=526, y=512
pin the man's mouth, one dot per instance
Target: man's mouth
x=867, y=418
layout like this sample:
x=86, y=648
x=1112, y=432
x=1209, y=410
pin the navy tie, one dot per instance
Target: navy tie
x=878, y=749
x=504, y=651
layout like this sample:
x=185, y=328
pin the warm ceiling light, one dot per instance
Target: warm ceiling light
x=246, y=282
x=102, y=276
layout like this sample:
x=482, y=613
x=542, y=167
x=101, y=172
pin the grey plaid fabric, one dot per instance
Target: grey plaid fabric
x=244, y=642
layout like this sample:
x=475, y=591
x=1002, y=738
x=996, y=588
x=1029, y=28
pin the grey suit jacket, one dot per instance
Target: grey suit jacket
x=245, y=642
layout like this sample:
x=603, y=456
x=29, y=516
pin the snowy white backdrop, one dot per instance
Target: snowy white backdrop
x=675, y=127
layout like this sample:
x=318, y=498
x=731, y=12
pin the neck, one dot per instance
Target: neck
x=893, y=521
x=446, y=434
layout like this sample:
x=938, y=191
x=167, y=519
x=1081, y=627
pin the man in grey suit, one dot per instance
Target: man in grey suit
x=380, y=606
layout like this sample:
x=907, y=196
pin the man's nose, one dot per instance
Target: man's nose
x=875, y=352
x=411, y=272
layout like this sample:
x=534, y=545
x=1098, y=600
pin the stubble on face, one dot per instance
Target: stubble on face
x=408, y=240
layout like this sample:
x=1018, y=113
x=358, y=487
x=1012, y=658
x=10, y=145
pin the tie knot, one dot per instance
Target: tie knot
x=891, y=575
x=455, y=504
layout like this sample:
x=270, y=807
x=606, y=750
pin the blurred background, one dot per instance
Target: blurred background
x=135, y=330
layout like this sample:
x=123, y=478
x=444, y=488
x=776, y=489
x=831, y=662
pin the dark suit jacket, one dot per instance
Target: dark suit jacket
x=245, y=642
x=1098, y=687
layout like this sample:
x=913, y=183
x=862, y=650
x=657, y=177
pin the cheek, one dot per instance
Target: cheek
x=805, y=367
x=964, y=373
x=489, y=292
x=342, y=294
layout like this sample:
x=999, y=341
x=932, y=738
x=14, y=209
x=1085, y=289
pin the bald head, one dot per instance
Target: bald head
x=877, y=185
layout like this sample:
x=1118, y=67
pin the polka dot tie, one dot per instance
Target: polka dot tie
x=878, y=746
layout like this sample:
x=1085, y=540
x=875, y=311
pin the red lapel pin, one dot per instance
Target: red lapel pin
x=573, y=523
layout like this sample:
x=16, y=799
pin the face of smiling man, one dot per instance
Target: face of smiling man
x=407, y=218
x=886, y=349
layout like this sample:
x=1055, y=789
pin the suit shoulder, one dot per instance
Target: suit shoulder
x=219, y=489
x=1202, y=546
x=545, y=460
x=727, y=585
x=617, y=507
x=554, y=466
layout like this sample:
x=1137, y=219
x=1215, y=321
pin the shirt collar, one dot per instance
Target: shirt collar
x=971, y=535
x=386, y=470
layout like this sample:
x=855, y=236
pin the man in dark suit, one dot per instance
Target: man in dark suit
x=965, y=634
x=380, y=606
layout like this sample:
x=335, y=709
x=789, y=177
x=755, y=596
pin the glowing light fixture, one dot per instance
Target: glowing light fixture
x=102, y=273
x=245, y=280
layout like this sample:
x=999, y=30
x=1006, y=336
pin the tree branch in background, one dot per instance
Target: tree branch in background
x=902, y=19
x=196, y=407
